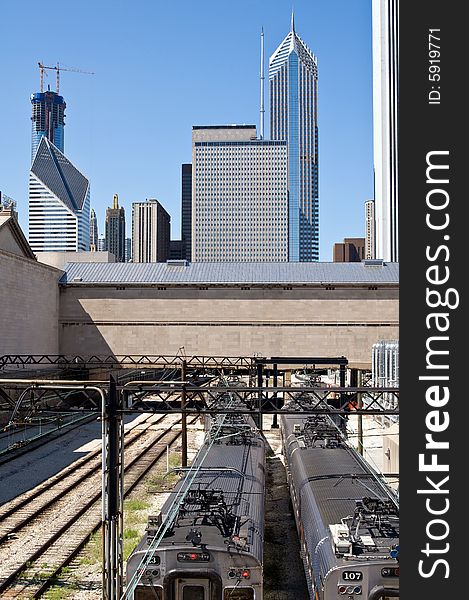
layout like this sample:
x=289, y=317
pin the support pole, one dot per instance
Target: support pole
x=260, y=385
x=113, y=495
x=183, y=416
x=276, y=398
x=360, y=416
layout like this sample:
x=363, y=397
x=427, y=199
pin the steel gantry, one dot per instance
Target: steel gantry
x=112, y=399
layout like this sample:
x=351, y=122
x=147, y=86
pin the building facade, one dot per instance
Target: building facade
x=115, y=230
x=350, y=250
x=231, y=309
x=239, y=196
x=48, y=120
x=186, y=210
x=369, y=229
x=151, y=229
x=93, y=231
x=59, y=203
x=385, y=116
x=293, y=81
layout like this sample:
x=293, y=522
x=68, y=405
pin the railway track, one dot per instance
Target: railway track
x=44, y=530
x=11, y=450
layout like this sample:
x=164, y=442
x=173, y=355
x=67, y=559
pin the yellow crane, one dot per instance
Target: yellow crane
x=57, y=69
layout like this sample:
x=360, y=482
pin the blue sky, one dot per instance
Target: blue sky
x=161, y=67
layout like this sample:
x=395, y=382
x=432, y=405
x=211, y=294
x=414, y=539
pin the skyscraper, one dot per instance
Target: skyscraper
x=93, y=231
x=370, y=229
x=115, y=230
x=186, y=209
x=59, y=203
x=151, y=226
x=293, y=79
x=48, y=120
x=385, y=108
x=239, y=196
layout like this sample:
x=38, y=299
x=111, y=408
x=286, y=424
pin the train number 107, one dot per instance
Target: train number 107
x=352, y=575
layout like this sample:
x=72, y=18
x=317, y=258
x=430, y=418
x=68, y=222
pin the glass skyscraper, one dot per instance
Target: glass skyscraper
x=59, y=203
x=293, y=79
x=48, y=120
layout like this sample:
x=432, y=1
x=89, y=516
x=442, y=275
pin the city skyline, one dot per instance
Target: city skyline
x=215, y=88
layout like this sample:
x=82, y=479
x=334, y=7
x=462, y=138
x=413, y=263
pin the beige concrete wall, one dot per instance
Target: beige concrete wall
x=29, y=301
x=59, y=259
x=228, y=321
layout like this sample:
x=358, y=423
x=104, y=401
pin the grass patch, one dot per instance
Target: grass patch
x=133, y=505
x=94, y=550
x=131, y=533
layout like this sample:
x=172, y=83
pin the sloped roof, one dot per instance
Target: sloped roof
x=58, y=174
x=316, y=273
x=20, y=243
x=292, y=42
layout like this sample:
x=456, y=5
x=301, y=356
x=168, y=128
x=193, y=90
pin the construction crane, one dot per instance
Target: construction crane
x=57, y=69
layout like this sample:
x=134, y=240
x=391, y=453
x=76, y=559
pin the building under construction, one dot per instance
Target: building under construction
x=48, y=120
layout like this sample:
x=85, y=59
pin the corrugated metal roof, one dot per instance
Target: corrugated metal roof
x=229, y=273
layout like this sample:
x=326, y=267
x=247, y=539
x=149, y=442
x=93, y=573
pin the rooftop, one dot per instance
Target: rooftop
x=316, y=273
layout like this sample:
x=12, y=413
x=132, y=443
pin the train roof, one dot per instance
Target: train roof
x=338, y=488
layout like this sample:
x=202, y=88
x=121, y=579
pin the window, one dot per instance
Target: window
x=238, y=593
x=193, y=592
x=148, y=593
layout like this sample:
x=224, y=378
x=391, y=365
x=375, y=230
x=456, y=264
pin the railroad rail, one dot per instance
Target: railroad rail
x=31, y=563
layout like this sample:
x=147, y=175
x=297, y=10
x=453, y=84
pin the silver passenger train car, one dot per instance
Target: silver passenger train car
x=346, y=518
x=213, y=548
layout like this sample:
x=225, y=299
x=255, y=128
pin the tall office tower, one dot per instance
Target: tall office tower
x=186, y=210
x=128, y=249
x=101, y=242
x=293, y=81
x=385, y=115
x=59, y=203
x=151, y=226
x=370, y=229
x=115, y=230
x=93, y=231
x=239, y=196
x=48, y=120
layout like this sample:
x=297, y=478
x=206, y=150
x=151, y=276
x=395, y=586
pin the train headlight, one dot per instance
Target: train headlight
x=390, y=572
x=342, y=589
x=357, y=589
x=193, y=557
x=245, y=574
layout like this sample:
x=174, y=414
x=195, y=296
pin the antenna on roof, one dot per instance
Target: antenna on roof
x=262, y=111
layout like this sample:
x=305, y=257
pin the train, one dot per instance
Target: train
x=211, y=547
x=347, y=518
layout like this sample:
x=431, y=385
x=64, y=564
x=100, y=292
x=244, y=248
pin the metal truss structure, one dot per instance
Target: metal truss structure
x=111, y=400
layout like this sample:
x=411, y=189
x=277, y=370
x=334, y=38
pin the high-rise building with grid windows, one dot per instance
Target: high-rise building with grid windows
x=151, y=232
x=59, y=203
x=293, y=81
x=385, y=127
x=48, y=120
x=115, y=230
x=239, y=196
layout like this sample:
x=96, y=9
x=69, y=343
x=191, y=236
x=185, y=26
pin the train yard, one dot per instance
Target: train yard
x=216, y=535
x=43, y=530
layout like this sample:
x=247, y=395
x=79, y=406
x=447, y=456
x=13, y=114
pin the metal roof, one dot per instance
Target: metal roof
x=230, y=273
x=59, y=175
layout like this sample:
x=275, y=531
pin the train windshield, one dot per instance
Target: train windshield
x=238, y=594
x=148, y=593
x=192, y=589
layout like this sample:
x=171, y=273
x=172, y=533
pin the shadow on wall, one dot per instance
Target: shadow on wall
x=80, y=335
